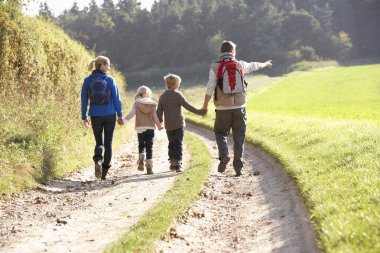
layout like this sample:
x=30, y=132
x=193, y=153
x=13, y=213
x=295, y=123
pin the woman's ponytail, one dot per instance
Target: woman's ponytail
x=91, y=65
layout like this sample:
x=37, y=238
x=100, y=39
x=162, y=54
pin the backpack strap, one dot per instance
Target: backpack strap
x=219, y=76
x=221, y=65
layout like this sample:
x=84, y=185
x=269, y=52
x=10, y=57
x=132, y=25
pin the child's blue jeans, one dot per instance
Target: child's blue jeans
x=175, y=138
x=146, y=142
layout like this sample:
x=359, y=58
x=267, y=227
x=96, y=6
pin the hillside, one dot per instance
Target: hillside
x=41, y=76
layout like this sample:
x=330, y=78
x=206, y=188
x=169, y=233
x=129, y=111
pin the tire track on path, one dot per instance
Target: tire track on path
x=262, y=213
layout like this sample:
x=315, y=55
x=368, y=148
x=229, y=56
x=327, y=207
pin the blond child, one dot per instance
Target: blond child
x=170, y=105
x=144, y=109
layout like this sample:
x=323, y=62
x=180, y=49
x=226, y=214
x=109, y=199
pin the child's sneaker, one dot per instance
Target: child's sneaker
x=140, y=162
x=173, y=163
x=149, y=166
x=177, y=166
x=98, y=169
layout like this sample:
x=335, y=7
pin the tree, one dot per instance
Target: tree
x=45, y=12
x=74, y=9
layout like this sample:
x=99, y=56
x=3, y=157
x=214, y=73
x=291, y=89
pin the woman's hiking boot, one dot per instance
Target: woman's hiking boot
x=140, y=162
x=98, y=169
x=105, y=171
x=223, y=164
x=149, y=166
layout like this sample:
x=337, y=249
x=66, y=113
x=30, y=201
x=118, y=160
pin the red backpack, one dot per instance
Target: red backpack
x=230, y=76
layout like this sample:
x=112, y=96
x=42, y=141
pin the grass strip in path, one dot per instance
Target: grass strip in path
x=142, y=236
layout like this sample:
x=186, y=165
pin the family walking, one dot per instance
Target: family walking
x=101, y=101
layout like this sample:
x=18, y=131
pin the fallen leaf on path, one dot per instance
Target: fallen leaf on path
x=198, y=215
x=39, y=200
x=60, y=221
x=50, y=214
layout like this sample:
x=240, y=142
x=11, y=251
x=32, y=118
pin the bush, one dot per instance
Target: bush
x=308, y=53
x=42, y=73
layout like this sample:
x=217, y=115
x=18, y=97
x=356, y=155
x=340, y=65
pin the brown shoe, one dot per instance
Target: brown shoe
x=177, y=168
x=173, y=163
x=149, y=166
x=223, y=164
x=140, y=162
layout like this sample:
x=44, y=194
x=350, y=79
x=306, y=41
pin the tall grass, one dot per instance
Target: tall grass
x=323, y=126
x=42, y=73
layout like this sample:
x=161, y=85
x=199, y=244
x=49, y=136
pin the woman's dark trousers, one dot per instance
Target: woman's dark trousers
x=103, y=128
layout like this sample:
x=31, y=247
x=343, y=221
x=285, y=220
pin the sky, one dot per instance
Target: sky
x=58, y=6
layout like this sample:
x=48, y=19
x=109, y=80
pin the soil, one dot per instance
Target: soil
x=81, y=214
x=258, y=212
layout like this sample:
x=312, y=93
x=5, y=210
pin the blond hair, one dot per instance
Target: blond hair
x=172, y=81
x=98, y=62
x=143, y=91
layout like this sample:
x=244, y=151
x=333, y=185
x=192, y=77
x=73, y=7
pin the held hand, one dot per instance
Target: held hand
x=86, y=123
x=268, y=64
x=120, y=121
x=203, y=112
x=160, y=127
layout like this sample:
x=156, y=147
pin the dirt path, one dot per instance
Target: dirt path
x=79, y=214
x=253, y=213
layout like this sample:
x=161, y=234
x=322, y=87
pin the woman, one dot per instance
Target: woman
x=102, y=92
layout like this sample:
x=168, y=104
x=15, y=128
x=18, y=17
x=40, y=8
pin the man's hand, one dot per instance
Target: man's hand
x=86, y=123
x=120, y=121
x=268, y=64
x=205, y=102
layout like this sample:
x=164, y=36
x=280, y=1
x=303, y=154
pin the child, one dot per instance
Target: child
x=170, y=104
x=146, y=118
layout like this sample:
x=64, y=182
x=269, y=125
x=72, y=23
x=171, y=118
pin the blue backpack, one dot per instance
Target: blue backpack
x=98, y=91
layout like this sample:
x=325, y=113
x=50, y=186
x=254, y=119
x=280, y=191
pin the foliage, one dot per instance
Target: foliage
x=323, y=127
x=42, y=73
x=183, y=33
x=153, y=225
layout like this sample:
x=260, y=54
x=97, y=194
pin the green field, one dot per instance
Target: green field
x=324, y=128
